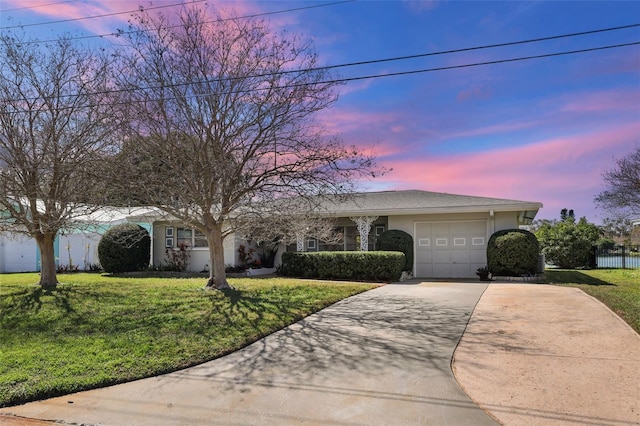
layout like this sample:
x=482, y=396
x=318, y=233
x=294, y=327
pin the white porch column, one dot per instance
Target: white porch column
x=364, y=226
x=299, y=241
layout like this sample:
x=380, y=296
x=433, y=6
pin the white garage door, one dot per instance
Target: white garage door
x=450, y=249
x=20, y=255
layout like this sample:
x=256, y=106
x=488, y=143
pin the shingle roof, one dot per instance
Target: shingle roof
x=416, y=201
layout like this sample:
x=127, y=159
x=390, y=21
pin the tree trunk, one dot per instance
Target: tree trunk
x=48, y=278
x=217, y=274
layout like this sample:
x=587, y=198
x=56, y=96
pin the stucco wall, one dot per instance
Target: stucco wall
x=199, y=259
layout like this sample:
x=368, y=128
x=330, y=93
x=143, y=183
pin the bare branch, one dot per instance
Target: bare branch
x=219, y=130
x=55, y=125
x=623, y=185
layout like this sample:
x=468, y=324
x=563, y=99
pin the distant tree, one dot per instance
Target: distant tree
x=568, y=244
x=538, y=223
x=56, y=122
x=622, y=185
x=618, y=229
x=567, y=215
x=225, y=108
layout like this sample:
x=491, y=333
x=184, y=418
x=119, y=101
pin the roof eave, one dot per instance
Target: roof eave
x=526, y=207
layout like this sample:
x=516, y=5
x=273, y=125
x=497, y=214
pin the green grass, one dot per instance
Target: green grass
x=97, y=330
x=619, y=289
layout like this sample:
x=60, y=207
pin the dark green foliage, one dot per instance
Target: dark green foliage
x=605, y=244
x=125, y=248
x=396, y=240
x=513, y=252
x=383, y=266
x=568, y=244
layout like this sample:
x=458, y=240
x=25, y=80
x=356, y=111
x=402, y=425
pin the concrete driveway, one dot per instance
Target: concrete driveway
x=379, y=358
x=548, y=355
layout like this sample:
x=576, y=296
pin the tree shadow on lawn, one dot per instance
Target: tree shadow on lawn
x=573, y=277
x=30, y=299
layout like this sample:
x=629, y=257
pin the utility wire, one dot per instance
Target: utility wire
x=255, y=15
x=365, y=77
x=476, y=64
x=37, y=6
x=400, y=58
x=121, y=33
x=98, y=16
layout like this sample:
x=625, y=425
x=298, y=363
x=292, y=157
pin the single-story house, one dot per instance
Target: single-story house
x=450, y=232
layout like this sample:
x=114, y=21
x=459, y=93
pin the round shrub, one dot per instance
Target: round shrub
x=125, y=248
x=513, y=252
x=396, y=240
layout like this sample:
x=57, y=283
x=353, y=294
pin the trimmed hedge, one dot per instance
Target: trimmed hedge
x=385, y=266
x=397, y=240
x=513, y=252
x=125, y=248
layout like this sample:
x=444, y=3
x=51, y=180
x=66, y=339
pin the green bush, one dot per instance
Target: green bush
x=513, y=252
x=125, y=248
x=396, y=240
x=568, y=244
x=385, y=266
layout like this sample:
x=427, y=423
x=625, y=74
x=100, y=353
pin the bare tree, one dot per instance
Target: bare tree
x=623, y=185
x=56, y=120
x=225, y=118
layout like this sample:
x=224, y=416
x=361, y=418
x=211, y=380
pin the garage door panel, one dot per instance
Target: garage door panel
x=477, y=256
x=450, y=249
x=441, y=256
x=424, y=256
x=459, y=270
x=441, y=270
x=459, y=256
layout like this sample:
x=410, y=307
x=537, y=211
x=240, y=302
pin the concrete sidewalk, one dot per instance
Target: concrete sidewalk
x=548, y=355
x=379, y=358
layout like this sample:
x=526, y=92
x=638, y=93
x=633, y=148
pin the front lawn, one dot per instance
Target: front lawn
x=97, y=330
x=619, y=289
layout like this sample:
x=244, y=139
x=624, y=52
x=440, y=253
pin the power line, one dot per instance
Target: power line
x=366, y=77
x=499, y=61
x=486, y=46
x=255, y=15
x=420, y=55
x=37, y=6
x=60, y=21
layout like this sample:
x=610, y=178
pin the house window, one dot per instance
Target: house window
x=185, y=237
x=373, y=239
x=189, y=237
x=311, y=244
x=168, y=237
x=199, y=239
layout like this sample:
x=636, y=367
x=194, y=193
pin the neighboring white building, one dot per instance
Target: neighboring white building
x=78, y=247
